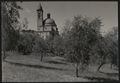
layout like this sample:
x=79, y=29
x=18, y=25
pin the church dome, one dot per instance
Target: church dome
x=49, y=21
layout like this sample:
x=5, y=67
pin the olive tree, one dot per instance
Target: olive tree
x=106, y=48
x=80, y=39
x=40, y=46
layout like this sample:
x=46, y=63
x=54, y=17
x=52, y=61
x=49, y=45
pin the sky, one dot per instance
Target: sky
x=62, y=11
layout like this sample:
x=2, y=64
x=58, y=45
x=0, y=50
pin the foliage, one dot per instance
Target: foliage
x=26, y=42
x=39, y=45
x=10, y=25
x=10, y=16
x=56, y=45
x=81, y=38
x=112, y=43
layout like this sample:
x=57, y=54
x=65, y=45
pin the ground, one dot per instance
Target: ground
x=21, y=68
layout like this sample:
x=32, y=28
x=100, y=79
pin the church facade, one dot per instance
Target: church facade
x=45, y=27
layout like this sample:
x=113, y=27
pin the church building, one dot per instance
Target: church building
x=45, y=27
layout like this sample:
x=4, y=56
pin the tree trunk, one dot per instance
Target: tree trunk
x=100, y=66
x=77, y=68
x=102, y=62
x=111, y=65
x=4, y=55
x=41, y=57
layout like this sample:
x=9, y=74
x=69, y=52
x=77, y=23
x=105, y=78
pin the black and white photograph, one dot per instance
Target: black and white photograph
x=59, y=41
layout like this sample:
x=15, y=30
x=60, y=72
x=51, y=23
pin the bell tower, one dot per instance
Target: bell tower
x=40, y=18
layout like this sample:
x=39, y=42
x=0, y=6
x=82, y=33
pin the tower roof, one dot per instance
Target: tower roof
x=40, y=7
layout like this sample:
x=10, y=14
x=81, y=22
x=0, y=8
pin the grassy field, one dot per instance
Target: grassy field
x=19, y=68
